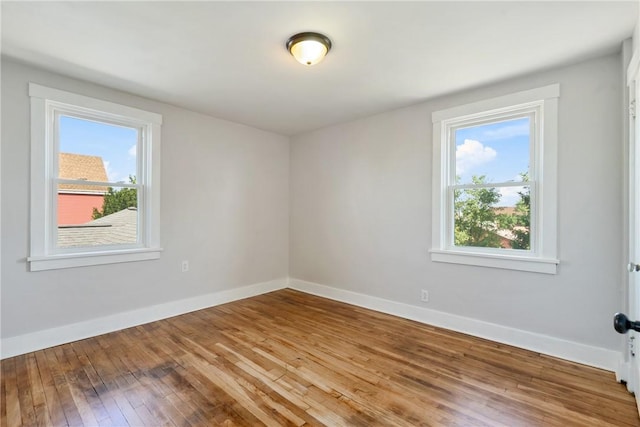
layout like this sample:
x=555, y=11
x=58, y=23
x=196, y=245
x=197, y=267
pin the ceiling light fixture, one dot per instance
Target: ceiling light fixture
x=308, y=48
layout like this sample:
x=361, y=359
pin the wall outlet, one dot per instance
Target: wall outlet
x=424, y=295
x=185, y=266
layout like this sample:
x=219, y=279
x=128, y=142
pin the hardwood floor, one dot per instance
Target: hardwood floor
x=288, y=358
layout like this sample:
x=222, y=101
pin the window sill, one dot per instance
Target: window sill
x=531, y=264
x=52, y=262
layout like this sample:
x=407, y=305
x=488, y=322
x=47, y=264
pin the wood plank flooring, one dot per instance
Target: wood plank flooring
x=288, y=358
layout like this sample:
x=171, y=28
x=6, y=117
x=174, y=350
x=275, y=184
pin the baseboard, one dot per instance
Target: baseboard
x=576, y=352
x=557, y=347
x=623, y=373
x=22, y=344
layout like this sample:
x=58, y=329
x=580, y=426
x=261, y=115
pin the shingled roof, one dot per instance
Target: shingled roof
x=115, y=229
x=82, y=167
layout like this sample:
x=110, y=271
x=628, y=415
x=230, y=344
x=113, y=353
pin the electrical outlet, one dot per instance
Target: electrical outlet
x=185, y=266
x=424, y=296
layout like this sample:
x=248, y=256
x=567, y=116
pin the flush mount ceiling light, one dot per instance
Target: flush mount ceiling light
x=308, y=48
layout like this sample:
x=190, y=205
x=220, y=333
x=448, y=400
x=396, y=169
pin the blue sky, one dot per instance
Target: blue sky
x=116, y=145
x=498, y=150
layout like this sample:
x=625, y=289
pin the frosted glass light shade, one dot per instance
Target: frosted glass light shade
x=308, y=52
x=309, y=48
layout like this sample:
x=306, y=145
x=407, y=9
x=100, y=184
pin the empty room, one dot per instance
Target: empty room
x=320, y=213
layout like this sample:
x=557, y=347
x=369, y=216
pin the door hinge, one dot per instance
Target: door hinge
x=632, y=350
x=632, y=109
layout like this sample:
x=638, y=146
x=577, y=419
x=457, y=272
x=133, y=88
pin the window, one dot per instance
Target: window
x=95, y=196
x=494, y=182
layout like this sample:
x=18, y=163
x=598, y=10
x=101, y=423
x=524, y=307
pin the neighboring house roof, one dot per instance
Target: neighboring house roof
x=506, y=234
x=115, y=229
x=509, y=234
x=82, y=167
x=506, y=210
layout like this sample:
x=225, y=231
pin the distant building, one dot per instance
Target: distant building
x=76, y=201
x=507, y=237
x=505, y=210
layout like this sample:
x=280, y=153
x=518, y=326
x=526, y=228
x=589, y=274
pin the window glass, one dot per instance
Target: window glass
x=492, y=217
x=81, y=222
x=115, y=146
x=96, y=215
x=499, y=151
x=489, y=211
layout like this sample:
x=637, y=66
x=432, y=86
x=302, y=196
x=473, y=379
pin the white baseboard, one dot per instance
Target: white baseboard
x=22, y=344
x=581, y=353
x=623, y=373
x=576, y=352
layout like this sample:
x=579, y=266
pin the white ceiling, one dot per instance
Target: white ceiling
x=227, y=59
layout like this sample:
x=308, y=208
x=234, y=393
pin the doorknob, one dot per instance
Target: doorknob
x=622, y=324
x=633, y=267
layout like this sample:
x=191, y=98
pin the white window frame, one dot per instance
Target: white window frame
x=542, y=258
x=47, y=104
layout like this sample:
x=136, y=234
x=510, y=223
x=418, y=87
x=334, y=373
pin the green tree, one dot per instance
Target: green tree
x=117, y=200
x=477, y=220
x=522, y=223
x=475, y=217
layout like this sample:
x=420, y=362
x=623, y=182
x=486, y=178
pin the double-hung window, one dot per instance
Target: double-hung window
x=95, y=181
x=494, y=182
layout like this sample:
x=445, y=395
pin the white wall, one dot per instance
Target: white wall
x=361, y=213
x=224, y=208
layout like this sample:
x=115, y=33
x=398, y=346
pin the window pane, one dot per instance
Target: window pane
x=95, y=151
x=493, y=217
x=97, y=216
x=497, y=151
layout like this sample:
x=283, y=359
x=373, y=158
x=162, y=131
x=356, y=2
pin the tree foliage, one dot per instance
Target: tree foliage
x=478, y=220
x=474, y=215
x=522, y=218
x=117, y=200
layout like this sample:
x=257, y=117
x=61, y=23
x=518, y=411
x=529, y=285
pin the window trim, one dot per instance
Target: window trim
x=543, y=257
x=46, y=104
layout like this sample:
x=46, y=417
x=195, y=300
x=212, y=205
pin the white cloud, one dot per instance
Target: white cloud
x=132, y=151
x=112, y=175
x=509, y=195
x=471, y=154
